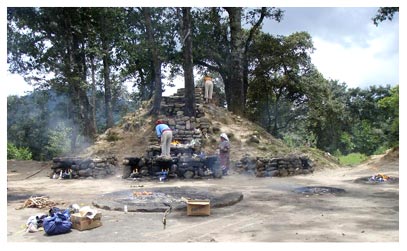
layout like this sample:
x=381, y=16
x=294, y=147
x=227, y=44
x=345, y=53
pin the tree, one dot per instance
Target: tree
x=107, y=27
x=391, y=106
x=237, y=101
x=220, y=44
x=384, y=13
x=263, y=13
x=370, y=123
x=188, y=62
x=43, y=40
x=153, y=48
x=276, y=92
x=327, y=117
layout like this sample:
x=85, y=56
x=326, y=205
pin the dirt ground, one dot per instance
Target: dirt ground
x=270, y=211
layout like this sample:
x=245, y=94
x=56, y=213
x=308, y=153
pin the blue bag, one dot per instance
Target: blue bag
x=58, y=222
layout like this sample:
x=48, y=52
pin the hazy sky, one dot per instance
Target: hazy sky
x=349, y=47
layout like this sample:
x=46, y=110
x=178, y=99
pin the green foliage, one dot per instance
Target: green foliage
x=352, y=159
x=346, y=143
x=384, y=13
x=42, y=122
x=18, y=153
x=58, y=140
x=85, y=47
x=112, y=136
x=391, y=106
x=276, y=91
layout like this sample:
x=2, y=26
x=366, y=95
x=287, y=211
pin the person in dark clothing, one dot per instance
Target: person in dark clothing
x=224, y=156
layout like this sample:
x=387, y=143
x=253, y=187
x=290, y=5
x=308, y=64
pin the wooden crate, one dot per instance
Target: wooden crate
x=84, y=223
x=198, y=207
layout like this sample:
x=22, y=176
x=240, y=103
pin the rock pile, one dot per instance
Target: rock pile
x=75, y=167
x=185, y=129
x=174, y=105
x=279, y=166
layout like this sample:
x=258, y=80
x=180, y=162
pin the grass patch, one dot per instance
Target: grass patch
x=352, y=159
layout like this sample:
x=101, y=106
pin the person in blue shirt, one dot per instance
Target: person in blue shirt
x=164, y=133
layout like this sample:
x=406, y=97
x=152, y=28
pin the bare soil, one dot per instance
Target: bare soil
x=270, y=211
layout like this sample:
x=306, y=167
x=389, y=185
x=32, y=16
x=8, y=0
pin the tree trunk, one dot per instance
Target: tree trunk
x=75, y=73
x=236, y=104
x=276, y=113
x=188, y=63
x=249, y=40
x=93, y=90
x=156, y=63
x=106, y=73
x=108, y=91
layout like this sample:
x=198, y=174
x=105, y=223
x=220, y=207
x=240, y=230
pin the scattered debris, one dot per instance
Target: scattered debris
x=38, y=202
x=379, y=178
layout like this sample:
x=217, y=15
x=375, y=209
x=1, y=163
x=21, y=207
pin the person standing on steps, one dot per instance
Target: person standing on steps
x=208, y=84
x=164, y=133
x=224, y=156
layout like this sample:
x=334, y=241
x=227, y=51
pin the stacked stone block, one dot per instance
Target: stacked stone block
x=186, y=130
x=75, y=167
x=279, y=166
x=185, y=165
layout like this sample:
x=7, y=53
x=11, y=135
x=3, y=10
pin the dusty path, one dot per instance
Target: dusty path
x=269, y=212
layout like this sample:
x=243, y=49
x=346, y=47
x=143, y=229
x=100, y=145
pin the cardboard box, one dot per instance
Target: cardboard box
x=198, y=207
x=84, y=223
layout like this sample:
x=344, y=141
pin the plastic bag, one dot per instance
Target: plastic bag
x=58, y=222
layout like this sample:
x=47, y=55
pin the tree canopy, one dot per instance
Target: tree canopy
x=84, y=58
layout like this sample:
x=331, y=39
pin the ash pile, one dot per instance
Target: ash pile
x=279, y=166
x=76, y=167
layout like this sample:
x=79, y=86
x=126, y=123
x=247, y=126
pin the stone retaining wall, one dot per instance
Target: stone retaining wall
x=182, y=166
x=74, y=167
x=278, y=166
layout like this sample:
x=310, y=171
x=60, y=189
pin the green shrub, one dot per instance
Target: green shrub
x=18, y=153
x=112, y=136
x=352, y=159
x=58, y=141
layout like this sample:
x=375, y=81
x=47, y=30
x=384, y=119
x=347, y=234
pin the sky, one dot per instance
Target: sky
x=349, y=47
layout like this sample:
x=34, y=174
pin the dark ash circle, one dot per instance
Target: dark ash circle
x=310, y=190
x=160, y=199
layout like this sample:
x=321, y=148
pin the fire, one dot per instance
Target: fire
x=143, y=193
x=175, y=142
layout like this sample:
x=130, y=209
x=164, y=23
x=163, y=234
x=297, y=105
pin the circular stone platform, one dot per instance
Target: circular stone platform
x=369, y=181
x=159, y=199
x=319, y=190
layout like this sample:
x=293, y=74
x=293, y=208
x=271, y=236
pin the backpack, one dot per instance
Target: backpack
x=59, y=222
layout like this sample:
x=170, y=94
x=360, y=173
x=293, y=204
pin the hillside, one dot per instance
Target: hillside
x=132, y=137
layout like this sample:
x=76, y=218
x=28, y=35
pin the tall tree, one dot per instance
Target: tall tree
x=237, y=101
x=153, y=47
x=221, y=44
x=43, y=40
x=186, y=40
x=276, y=91
x=274, y=13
